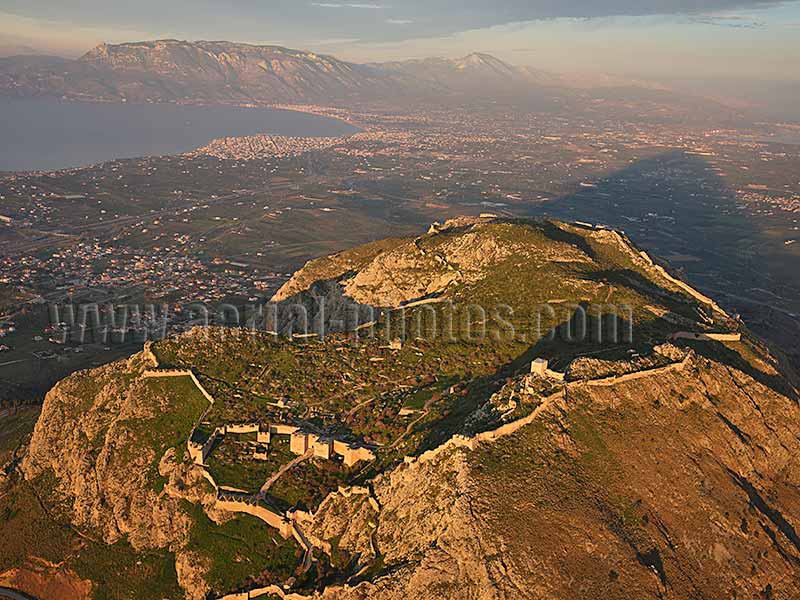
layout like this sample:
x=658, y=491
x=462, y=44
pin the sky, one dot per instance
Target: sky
x=656, y=40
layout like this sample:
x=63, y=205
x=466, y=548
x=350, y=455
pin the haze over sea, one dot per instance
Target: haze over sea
x=50, y=134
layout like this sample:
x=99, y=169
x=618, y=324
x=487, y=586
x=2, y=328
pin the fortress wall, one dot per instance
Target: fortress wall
x=514, y=426
x=641, y=254
x=156, y=373
x=273, y=590
x=210, y=480
x=460, y=441
x=717, y=337
x=210, y=443
x=200, y=387
x=457, y=441
x=196, y=451
x=298, y=535
x=702, y=298
x=609, y=381
x=243, y=428
x=725, y=337
x=352, y=456
x=554, y=375
x=270, y=518
x=355, y=490
x=298, y=443
x=282, y=429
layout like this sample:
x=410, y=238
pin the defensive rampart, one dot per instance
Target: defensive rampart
x=252, y=506
x=707, y=337
x=157, y=373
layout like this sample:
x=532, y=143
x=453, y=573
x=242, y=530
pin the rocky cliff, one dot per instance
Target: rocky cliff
x=95, y=434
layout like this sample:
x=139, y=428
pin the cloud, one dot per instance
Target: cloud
x=367, y=20
x=332, y=42
x=21, y=34
x=337, y=5
x=733, y=21
x=434, y=18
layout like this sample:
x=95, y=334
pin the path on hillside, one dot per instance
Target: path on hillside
x=268, y=483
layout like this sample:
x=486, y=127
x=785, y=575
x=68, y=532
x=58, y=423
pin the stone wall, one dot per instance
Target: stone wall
x=251, y=506
x=273, y=590
x=292, y=521
x=156, y=373
x=706, y=337
x=199, y=452
x=242, y=428
x=302, y=441
x=631, y=248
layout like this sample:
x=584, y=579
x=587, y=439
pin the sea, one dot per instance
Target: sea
x=51, y=134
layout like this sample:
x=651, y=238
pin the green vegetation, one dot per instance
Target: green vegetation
x=118, y=572
x=242, y=551
x=27, y=523
x=35, y=521
x=360, y=386
x=231, y=462
x=306, y=485
x=16, y=428
x=180, y=406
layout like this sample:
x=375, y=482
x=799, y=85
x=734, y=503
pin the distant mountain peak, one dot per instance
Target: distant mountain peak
x=479, y=60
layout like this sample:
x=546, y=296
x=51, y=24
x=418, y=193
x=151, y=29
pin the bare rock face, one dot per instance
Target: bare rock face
x=87, y=436
x=191, y=568
x=332, y=267
x=425, y=526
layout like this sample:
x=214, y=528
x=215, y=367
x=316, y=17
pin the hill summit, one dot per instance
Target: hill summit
x=533, y=409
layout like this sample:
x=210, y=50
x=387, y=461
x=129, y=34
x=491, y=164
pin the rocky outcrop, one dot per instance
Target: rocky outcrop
x=191, y=568
x=333, y=267
x=459, y=252
x=90, y=435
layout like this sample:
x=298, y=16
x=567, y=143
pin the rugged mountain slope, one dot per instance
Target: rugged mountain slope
x=472, y=73
x=226, y=72
x=234, y=73
x=171, y=70
x=645, y=466
x=680, y=485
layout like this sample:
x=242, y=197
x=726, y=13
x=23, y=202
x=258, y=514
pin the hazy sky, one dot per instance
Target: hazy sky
x=652, y=39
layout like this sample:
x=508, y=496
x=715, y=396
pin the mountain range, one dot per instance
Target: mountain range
x=226, y=72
